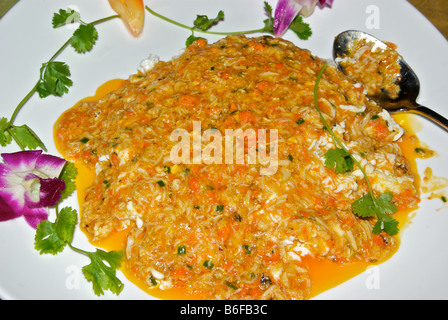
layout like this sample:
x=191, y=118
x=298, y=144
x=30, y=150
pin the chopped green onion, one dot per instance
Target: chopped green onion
x=230, y=285
x=181, y=250
x=247, y=249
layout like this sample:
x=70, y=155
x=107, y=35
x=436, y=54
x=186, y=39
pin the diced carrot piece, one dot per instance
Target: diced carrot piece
x=246, y=116
x=195, y=184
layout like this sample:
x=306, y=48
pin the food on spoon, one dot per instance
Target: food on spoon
x=376, y=68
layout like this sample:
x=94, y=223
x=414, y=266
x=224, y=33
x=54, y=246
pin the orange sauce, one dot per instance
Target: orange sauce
x=324, y=274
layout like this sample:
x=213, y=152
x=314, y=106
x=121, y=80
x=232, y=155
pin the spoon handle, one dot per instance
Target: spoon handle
x=431, y=115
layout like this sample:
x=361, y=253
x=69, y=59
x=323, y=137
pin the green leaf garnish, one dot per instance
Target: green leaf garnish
x=52, y=237
x=386, y=224
x=204, y=23
x=103, y=276
x=342, y=161
x=54, y=79
x=68, y=174
x=64, y=17
x=84, y=38
x=25, y=137
x=339, y=159
x=47, y=240
x=301, y=28
x=192, y=39
x=5, y=136
x=269, y=22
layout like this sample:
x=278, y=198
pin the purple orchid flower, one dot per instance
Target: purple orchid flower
x=29, y=183
x=287, y=10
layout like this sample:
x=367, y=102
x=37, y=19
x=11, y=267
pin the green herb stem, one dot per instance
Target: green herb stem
x=24, y=100
x=34, y=89
x=86, y=253
x=339, y=144
x=58, y=52
x=105, y=19
x=193, y=29
x=334, y=137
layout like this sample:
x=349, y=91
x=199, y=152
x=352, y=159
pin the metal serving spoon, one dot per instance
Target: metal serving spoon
x=409, y=83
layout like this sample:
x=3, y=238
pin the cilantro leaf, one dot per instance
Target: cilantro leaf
x=385, y=204
x=102, y=276
x=65, y=17
x=364, y=207
x=268, y=9
x=382, y=207
x=385, y=221
x=54, y=79
x=52, y=237
x=84, y=38
x=26, y=138
x=301, y=28
x=269, y=22
x=339, y=159
x=5, y=137
x=46, y=239
x=68, y=174
x=192, y=39
x=203, y=22
x=386, y=224
x=66, y=223
x=368, y=206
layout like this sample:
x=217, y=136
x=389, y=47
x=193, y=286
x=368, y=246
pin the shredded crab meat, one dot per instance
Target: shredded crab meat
x=225, y=231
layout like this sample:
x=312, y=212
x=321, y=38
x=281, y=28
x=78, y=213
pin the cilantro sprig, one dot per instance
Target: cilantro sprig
x=54, y=78
x=54, y=237
x=340, y=159
x=203, y=23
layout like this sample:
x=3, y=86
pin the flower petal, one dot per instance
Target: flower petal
x=11, y=191
x=42, y=192
x=34, y=216
x=308, y=7
x=22, y=161
x=132, y=12
x=50, y=166
x=285, y=13
x=6, y=212
x=287, y=10
x=5, y=172
x=323, y=3
x=50, y=191
x=32, y=187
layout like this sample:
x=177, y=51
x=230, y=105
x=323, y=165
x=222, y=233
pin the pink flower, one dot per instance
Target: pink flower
x=29, y=183
x=287, y=10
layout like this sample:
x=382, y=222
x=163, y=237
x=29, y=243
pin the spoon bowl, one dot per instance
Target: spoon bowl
x=408, y=81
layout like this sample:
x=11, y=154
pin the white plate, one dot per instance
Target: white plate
x=417, y=271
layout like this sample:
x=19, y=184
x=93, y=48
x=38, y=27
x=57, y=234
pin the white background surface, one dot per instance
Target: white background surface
x=27, y=39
